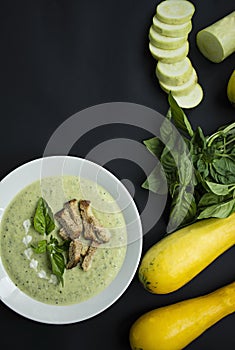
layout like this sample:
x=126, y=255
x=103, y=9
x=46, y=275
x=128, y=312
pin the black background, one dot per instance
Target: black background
x=60, y=56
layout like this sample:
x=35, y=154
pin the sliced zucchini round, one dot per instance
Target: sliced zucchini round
x=172, y=30
x=174, y=73
x=192, y=99
x=165, y=42
x=183, y=89
x=175, y=12
x=169, y=56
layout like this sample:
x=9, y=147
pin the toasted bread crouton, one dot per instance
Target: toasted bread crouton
x=85, y=248
x=70, y=220
x=72, y=206
x=75, y=249
x=63, y=234
x=87, y=261
x=92, y=228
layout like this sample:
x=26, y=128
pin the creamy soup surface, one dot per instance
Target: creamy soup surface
x=31, y=272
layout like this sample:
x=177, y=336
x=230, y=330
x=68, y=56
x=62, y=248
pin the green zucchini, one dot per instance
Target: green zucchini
x=217, y=41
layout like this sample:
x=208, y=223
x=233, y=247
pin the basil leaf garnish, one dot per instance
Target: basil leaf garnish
x=41, y=247
x=57, y=265
x=43, y=219
x=56, y=258
x=55, y=251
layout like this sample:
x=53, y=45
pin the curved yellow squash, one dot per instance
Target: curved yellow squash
x=174, y=327
x=176, y=259
x=231, y=89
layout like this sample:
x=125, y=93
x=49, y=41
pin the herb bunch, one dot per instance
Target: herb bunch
x=197, y=171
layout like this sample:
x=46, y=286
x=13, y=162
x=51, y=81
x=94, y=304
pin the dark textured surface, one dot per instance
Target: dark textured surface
x=59, y=57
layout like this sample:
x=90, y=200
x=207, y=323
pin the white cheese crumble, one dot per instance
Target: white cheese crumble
x=33, y=264
x=53, y=279
x=26, y=225
x=42, y=274
x=28, y=253
x=27, y=239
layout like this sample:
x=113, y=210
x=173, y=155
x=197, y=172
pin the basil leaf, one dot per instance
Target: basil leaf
x=183, y=209
x=180, y=119
x=56, y=258
x=170, y=169
x=202, y=167
x=41, y=247
x=188, y=145
x=156, y=181
x=168, y=162
x=219, y=189
x=225, y=168
x=222, y=210
x=168, y=114
x=185, y=170
x=169, y=136
x=39, y=218
x=198, y=140
x=214, y=175
x=43, y=219
x=52, y=244
x=57, y=266
x=166, y=130
x=64, y=246
x=209, y=199
x=55, y=252
x=155, y=146
x=173, y=188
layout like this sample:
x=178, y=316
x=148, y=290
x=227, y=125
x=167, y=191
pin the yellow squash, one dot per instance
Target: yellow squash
x=231, y=89
x=176, y=259
x=174, y=327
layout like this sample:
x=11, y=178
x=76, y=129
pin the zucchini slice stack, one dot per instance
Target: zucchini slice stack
x=168, y=44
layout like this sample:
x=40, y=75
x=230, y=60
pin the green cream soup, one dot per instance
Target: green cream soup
x=31, y=272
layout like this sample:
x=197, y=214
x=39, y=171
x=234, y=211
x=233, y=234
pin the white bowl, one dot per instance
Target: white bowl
x=56, y=166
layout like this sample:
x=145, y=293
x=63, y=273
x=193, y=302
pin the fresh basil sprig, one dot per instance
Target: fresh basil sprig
x=55, y=251
x=43, y=219
x=197, y=171
x=44, y=223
